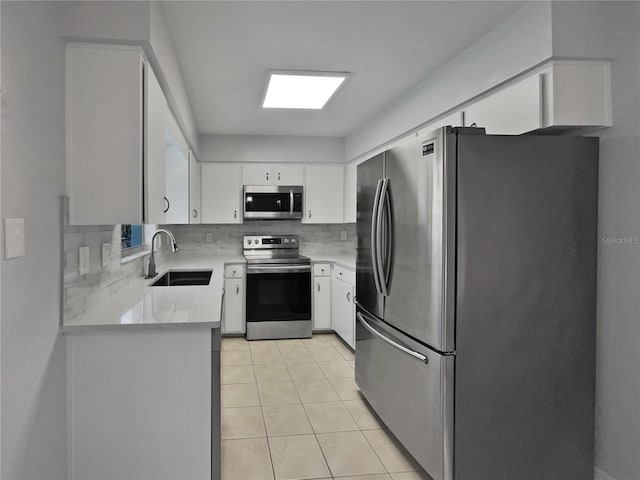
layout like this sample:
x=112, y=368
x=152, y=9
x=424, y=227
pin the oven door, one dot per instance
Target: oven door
x=272, y=202
x=277, y=292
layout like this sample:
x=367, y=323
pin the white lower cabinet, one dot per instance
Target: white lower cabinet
x=343, y=310
x=139, y=404
x=233, y=319
x=322, y=303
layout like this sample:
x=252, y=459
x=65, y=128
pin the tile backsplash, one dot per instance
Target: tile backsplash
x=227, y=239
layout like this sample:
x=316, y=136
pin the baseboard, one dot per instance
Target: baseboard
x=601, y=474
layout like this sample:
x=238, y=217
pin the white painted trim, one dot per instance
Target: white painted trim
x=601, y=474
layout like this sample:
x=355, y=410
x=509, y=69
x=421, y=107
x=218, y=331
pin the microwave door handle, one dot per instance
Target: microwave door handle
x=290, y=202
x=374, y=238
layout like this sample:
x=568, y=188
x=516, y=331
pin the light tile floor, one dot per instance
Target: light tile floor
x=292, y=410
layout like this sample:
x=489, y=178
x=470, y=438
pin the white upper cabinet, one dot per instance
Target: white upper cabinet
x=177, y=174
x=350, y=192
x=195, y=189
x=285, y=174
x=565, y=96
x=221, y=193
x=105, y=134
x=257, y=174
x=511, y=111
x=267, y=174
x=156, y=114
x=127, y=159
x=576, y=94
x=323, y=192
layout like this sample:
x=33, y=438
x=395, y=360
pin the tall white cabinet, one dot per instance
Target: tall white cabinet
x=105, y=96
x=126, y=156
x=323, y=192
x=195, y=190
x=221, y=193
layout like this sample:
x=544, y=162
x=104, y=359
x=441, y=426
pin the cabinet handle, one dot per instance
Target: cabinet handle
x=195, y=213
x=234, y=272
x=309, y=213
x=318, y=287
x=348, y=296
x=340, y=273
x=237, y=289
x=168, y=205
x=235, y=214
x=322, y=270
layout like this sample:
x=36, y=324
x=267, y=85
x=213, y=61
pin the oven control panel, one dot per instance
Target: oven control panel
x=258, y=242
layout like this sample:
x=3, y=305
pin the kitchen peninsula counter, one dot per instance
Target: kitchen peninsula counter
x=140, y=306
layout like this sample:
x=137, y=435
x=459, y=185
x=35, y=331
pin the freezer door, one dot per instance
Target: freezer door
x=368, y=290
x=411, y=388
x=421, y=178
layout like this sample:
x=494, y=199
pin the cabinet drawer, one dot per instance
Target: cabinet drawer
x=233, y=271
x=321, y=269
x=344, y=274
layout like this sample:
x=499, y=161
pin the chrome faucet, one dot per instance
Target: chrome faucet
x=152, y=262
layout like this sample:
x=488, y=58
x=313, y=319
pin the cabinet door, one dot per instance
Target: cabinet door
x=323, y=190
x=511, y=111
x=157, y=114
x=288, y=174
x=343, y=311
x=177, y=171
x=321, y=303
x=195, y=198
x=350, y=187
x=233, y=321
x=257, y=174
x=221, y=193
x=104, y=105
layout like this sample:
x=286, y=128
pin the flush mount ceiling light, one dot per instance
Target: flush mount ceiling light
x=303, y=90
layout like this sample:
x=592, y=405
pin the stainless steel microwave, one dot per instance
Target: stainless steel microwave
x=272, y=202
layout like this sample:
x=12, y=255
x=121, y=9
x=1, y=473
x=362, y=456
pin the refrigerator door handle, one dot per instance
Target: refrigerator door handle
x=384, y=241
x=389, y=341
x=374, y=238
x=389, y=236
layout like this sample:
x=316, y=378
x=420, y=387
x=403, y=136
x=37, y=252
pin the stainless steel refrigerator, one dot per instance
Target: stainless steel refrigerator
x=476, y=301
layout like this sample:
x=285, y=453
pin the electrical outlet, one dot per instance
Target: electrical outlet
x=343, y=235
x=83, y=260
x=209, y=237
x=106, y=252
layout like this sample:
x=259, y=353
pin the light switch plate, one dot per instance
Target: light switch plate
x=209, y=237
x=13, y=237
x=106, y=252
x=83, y=260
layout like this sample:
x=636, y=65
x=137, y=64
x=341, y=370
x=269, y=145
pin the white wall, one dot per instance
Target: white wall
x=521, y=42
x=612, y=30
x=271, y=149
x=33, y=354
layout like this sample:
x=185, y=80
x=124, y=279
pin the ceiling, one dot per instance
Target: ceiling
x=226, y=48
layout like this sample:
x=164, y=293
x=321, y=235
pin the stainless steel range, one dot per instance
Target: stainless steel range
x=278, y=288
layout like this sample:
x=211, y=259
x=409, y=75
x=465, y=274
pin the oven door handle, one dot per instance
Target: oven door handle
x=278, y=269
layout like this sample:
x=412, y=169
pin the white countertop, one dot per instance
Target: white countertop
x=342, y=259
x=141, y=306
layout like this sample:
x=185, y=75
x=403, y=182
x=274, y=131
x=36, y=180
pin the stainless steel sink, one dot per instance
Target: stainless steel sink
x=181, y=278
